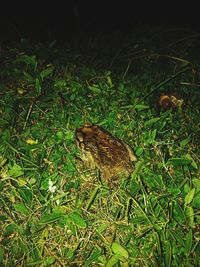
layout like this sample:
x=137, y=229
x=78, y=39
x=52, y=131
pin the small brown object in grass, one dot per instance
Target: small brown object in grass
x=170, y=101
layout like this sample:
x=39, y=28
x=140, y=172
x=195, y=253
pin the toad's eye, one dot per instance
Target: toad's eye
x=79, y=136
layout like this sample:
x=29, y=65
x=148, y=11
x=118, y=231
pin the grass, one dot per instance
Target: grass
x=54, y=211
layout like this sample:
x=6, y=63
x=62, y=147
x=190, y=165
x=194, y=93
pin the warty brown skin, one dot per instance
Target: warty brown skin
x=103, y=151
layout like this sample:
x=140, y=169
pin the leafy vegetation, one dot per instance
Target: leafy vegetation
x=53, y=210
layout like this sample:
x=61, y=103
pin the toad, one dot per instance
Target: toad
x=104, y=151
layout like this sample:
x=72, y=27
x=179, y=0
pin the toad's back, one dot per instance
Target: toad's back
x=104, y=151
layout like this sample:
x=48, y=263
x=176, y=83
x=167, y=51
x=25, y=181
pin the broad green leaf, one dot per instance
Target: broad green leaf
x=49, y=261
x=29, y=60
x=196, y=201
x=119, y=250
x=141, y=107
x=46, y=72
x=178, y=161
x=109, y=81
x=188, y=243
x=23, y=246
x=139, y=151
x=69, y=136
x=178, y=213
x=138, y=167
x=189, y=197
x=50, y=218
x=21, y=208
x=93, y=256
x=112, y=261
x=11, y=228
x=160, y=125
x=59, y=135
x=153, y=134
x=104, y=121
x=167, y=253
x=22, y=181
x=190, y=214
x=57, y=197
x=187, y=188
x=78, y=220
x=102, y=260
x=151, y=122
x=16, y=171
x=193, y=163
x=196, y=183
x=60, y=83
x=6, y=136
x=95, y=89
x=134, y=187
x=140, y=220
x=72, y=97
x=102, y=227
x=127, y=107
x=34, y=263
x=26, y=194
x=134, y=252
x=178, y=237
x=185, y=141
x=174, y=190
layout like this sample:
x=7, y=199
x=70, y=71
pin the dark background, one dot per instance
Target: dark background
x=64, y=20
